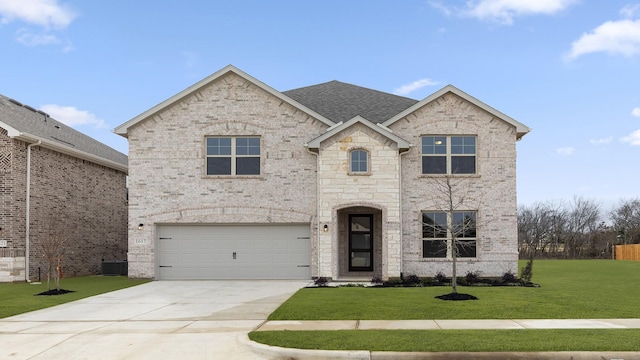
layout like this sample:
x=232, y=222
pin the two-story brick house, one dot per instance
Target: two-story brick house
x=231, y=178
x=57, y=181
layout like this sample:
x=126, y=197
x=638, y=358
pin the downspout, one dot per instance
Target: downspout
x=27, y=210
x=317, y=209
x=400, y=204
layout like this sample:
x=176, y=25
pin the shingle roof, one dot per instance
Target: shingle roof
x=340, y=101
x=38, y=124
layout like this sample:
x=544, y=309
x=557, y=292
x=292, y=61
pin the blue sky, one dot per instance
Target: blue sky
x=568, y=69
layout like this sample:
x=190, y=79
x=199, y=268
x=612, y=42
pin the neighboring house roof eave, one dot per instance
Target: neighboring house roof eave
x=64, y=149
x=402, y=144
x=123, y=128
x=521, y=129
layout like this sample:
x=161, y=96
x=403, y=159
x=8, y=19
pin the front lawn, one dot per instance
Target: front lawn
x=572, y=289
x=18, y=298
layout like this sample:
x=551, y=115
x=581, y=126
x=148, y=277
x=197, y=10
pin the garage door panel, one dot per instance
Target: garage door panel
x=234, y=251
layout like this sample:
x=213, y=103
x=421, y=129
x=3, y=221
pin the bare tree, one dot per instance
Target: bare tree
x=626, y=221
x=583, y=220
x=453, y=195
x=53, y=246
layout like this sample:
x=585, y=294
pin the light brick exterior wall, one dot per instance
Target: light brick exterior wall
x=87, y=199
x=493, y=189
x=168, y=182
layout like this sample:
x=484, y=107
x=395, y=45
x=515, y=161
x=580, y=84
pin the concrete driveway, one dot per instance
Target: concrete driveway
x=157, y=320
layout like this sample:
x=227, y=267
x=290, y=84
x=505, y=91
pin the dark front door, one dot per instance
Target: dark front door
x=361, y=242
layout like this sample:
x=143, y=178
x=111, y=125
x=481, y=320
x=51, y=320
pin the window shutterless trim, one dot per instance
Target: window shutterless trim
x=360, y=162
x=449, y=155
x=233, y=156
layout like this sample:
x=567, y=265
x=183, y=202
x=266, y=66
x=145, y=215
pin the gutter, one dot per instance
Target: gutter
x=28, y=210
x=64, y=149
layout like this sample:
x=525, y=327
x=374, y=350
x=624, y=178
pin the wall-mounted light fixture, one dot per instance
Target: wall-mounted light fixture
x=325, y=228
x=141, y=226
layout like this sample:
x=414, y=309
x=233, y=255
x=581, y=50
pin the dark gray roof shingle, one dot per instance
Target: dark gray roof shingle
x=340, y=101
x=31, y=121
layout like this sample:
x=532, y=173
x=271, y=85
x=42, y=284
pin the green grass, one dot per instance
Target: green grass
x=455, y=340
x=18, y=298
x=571, y=289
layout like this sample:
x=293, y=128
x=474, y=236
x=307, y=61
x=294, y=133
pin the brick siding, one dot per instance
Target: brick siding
x=86, y=202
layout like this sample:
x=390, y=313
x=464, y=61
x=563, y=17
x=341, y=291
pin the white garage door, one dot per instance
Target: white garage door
x=233, y=252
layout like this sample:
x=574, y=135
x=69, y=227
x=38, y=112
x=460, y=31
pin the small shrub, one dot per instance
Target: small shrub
x=376, y=281
x=411, y=280
x=350, y=285
x=441, y=277
x=472, y=277
x=321, y=281
x=526, y=273
x=428, y=281
x=509, y=278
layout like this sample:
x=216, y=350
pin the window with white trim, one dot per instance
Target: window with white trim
x=448, y=155
x=233, y=155
x=437, y=239
x=359, y=161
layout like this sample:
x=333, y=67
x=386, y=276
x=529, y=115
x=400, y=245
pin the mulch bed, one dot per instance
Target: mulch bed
x=55, y=292
x=456, y=297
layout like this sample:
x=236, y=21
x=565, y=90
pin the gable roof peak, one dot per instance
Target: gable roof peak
x=521, y=129
x=122, y=129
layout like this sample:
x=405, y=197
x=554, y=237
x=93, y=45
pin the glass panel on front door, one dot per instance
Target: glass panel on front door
x=360, y=243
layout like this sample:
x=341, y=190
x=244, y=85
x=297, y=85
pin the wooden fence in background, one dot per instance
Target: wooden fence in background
x=628, y=252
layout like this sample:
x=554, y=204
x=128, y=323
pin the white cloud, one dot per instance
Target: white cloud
x=46, y=13
x=72, y=116
x=504, y=11
x=636, y=112
x=614, y=37
x=418, y=84
x=601, y=141
x=566, y=151
x=630, y=11
x=633, y=138
x=30, y=39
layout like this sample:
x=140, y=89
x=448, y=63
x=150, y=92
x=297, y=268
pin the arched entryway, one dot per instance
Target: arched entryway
x=359, y=242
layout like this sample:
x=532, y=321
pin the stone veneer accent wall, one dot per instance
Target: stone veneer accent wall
x=379, y=189
x=86, y=199
x=176, y=190
x=493, y=188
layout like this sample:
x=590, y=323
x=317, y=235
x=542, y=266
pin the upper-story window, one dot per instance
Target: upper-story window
x=233, y=155
x=359, y=161
x=448, y=155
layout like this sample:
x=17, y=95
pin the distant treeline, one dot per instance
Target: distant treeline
x=579, y=229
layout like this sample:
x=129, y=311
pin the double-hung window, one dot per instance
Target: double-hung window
x=437, y=237
x=448, y=155
x=233, y=155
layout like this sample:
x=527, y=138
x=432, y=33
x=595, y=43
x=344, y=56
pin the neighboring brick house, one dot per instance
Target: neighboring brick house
x=54, y=178
x=233, y=179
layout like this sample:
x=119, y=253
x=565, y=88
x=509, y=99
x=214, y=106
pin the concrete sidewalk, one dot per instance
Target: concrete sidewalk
x=450, y=324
